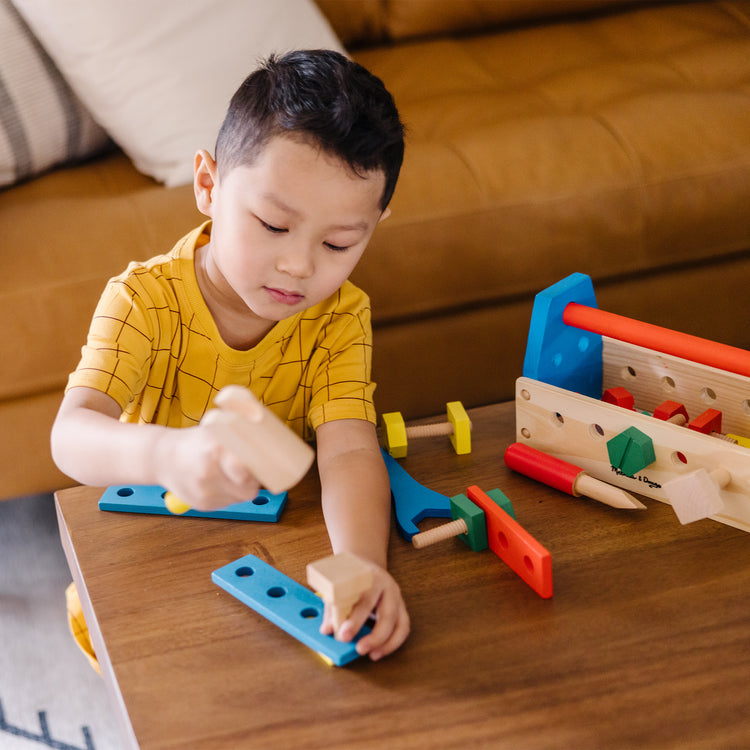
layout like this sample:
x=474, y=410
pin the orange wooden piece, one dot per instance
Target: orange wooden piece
x=672, y=411
x=707, y=423
x=514, y=545
x=619, y=397
x=692, y=348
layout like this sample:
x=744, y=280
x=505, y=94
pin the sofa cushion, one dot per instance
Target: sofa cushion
x=159, y=78
x=42, y=123
x=369, y=22
x=613, y=145
x=87, y=224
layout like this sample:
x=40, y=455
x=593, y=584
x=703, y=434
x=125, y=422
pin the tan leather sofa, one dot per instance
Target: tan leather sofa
x=611, y=138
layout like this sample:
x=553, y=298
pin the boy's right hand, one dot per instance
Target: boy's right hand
x=241, y=446
x=201, y=471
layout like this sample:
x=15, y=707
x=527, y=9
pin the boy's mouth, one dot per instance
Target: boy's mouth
x=284, y=297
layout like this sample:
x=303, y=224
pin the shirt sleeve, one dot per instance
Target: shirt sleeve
x=117, y=355
x=342, y=387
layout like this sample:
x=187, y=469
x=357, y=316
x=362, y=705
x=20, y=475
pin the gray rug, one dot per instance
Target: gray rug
x=49, y=695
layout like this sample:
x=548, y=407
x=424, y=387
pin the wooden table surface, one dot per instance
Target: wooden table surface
x=645, y=643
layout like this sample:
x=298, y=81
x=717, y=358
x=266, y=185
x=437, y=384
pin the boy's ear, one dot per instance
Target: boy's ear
x=204, y=181
x=385, y=214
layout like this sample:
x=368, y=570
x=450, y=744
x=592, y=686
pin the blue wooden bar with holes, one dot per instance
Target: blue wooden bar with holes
x=150, y=499
x=286, y=603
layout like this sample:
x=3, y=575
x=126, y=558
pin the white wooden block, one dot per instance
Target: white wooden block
x=694, y=496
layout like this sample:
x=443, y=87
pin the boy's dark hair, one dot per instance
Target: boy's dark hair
x=320, y=95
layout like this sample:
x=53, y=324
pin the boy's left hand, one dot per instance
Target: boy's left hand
x=392, y=623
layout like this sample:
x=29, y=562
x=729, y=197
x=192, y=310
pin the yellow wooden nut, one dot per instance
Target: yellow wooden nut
x=743, y=441
x=394, y=433
x=175, y=505
x=461, y=437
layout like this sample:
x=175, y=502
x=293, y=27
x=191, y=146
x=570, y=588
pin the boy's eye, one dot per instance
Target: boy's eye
x=271, y=228
x=335, y=248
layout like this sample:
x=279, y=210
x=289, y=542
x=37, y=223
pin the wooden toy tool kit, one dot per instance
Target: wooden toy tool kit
x=575, y=352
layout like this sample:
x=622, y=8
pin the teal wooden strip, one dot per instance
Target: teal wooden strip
x=286, y=603
x=150, y=499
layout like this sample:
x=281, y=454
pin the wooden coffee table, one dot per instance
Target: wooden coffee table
x=645, y=643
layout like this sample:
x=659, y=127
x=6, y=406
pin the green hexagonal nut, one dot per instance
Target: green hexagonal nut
x=631, y=451
x=503, y=501
x=473, y=515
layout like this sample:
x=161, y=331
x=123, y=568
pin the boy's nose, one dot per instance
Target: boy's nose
x=296, y=261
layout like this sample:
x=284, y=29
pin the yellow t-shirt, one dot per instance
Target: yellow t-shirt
x=155, y=349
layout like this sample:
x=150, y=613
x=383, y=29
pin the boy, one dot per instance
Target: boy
x=306, y=163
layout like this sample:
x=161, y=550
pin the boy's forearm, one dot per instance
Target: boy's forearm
x=356, y=500
x=94, y=447
x=356, y=507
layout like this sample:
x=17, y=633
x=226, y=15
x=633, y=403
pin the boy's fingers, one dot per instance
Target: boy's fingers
x=359, y=615
x=326, y=627
x=377, y=648
x=391, y=628
x=240, y=484
x=235, y=470
x=380, y=633
x=390, y=631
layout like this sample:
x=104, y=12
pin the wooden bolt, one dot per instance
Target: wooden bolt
x=439, y=533
x=469, y=522
x=457, y=427
x=631, y=451
x=619, y=397
x=709, y=423
x=394, y=433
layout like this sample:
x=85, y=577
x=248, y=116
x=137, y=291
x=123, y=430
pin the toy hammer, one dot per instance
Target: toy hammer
x=275, y=455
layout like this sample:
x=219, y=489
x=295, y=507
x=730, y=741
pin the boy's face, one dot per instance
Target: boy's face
x=287, y=230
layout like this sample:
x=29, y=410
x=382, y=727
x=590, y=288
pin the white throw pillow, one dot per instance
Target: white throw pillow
x=42, y=123
x=159, y=75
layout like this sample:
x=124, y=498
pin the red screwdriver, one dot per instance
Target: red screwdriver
x=566, y=477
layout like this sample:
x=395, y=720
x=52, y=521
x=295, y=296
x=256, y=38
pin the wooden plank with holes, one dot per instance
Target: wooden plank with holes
x=653, y=378
x=576, y=428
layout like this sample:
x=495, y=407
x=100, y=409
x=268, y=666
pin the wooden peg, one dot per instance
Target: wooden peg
x=457, y=427
x=619, y=397
x=709, y=423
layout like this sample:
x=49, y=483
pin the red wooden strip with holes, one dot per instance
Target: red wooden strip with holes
x=515, y=546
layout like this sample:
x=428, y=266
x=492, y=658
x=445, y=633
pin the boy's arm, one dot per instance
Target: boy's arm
x=92, y=446
x=356, y=502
